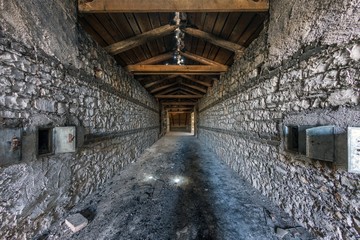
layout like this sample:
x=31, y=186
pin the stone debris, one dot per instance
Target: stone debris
x=76, y=222
x=281, y=232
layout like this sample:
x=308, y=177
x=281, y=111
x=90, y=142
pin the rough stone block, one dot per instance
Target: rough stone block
x=76, y=222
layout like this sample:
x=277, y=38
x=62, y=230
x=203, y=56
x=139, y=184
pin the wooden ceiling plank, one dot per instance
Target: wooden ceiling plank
x=176, y=69
x=97, y=6
x=140, y=39
x=214, y=40
x=200, y=59
x=195, y=80
x=178, y=96
x=194, y=87
x=157, y=59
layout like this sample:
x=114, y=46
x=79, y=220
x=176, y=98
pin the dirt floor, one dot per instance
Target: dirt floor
x=179, y=190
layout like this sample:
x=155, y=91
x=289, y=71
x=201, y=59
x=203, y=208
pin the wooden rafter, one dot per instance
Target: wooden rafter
x=178, y=103
x=169, y=90
x=116, y=6
x=163, y=87
x=194, y=87
x=179, y=112
x=176, y=69
x=178, y=109
x=179, y=96
x=200, y=59
x=159, y=81
x=206, y=84
x=214, y=40
x=157, y=59
x=188, y=90
x=140, y=39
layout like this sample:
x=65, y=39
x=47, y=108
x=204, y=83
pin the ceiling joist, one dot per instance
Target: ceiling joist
x=214, y=40
x=176, y=69
x=116, y=6
x=194, y=87
x=163, y=87
x=140, y=39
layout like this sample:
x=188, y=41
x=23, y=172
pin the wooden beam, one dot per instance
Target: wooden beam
x=140, y=39
x=178, y=109
x=176, y=69
x=214, y=40
x=163, y=87
x=157, y=59
x=188, y=90
x=194, y=87
x=169, y=90
x=200, y=59
x=195, y=80
x=178, y=96
x=178, y=103
x=174, y=112
x=116, y=6
x=159, y=81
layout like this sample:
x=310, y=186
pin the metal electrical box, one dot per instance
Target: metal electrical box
x=320, y=143
x=10, y=146
x=354, y=149
x=64, y=139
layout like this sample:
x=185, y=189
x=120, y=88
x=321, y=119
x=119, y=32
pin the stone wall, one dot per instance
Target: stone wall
x=302, y=70
x=53, y=74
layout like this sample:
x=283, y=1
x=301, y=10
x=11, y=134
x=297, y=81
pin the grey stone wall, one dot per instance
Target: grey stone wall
x=303, y=69
x=53, y=74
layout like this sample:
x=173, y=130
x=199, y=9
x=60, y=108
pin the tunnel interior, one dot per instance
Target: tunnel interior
x=271, y=88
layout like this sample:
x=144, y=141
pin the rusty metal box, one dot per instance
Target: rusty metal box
x=10, y=145
x=64, y=139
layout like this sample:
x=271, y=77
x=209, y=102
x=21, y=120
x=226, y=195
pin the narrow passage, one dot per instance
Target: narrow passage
x=178, y=189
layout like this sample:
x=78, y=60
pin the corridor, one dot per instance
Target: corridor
x=179, y=190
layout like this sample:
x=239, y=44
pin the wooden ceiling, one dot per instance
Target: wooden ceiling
x=141, y=36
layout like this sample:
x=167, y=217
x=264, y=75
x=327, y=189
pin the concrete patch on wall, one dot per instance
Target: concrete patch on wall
x=293, y=74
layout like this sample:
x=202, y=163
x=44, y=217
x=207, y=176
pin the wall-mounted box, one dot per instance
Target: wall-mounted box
x=354, y=149
x=56, y=140
x=10, y=146
x=295, y=138
x=320, y=143
x=64, y=139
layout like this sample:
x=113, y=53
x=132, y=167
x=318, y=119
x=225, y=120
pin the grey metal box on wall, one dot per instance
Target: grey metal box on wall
x=64, y=139
x=354, y=149
x=10, y=145
x=320, y=143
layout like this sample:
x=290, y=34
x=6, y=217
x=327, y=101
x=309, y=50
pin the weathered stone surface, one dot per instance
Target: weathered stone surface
x=47, y=79
x=310, y=76
x=76, y=222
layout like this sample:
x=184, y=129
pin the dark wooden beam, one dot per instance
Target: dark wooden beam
x=206, y=84
x=116, y=6
x=178, y=96
x=214, y=40
x=200, y=59
x=178, y=103
x=140, y=39
x=179, y=112
x=169, y=90
x=159, y=81
x=157, y=59
x=176, y=69
x=188, y=90
x=163, y=87
x=194, y=87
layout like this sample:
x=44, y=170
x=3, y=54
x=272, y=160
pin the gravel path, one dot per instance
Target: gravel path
x=179, y=190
